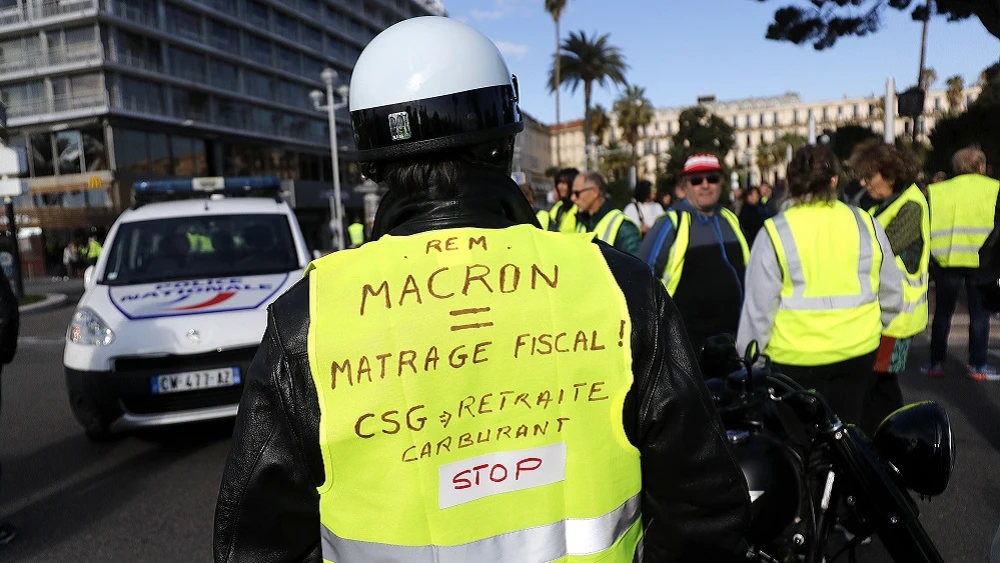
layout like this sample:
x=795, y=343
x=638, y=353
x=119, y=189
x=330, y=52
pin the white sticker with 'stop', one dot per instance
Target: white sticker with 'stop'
x=501, y=472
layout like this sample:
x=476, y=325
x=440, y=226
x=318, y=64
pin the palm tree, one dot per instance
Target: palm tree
x=927, y=78
x=585, y=60
x=555, y=9
x=599, y=122
x=956, y=85
x=633, y=112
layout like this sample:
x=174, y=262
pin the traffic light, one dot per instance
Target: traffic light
x=911, y=102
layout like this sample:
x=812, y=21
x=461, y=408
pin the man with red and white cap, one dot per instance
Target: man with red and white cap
x=700, y=254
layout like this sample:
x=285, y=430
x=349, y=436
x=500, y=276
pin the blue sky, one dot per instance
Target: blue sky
x=681, y=49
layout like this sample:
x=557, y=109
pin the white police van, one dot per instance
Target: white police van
x=175, y=307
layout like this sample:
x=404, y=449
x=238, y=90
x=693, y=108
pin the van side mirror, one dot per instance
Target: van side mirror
x=88, y=277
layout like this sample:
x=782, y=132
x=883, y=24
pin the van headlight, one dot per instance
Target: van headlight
x=89, y=329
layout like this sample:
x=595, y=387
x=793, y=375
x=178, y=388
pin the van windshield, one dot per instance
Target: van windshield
x=200, y=247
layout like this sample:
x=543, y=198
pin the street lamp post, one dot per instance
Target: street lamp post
x=336, y=205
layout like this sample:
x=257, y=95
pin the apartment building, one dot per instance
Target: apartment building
x=101, y=93
x=763, y=120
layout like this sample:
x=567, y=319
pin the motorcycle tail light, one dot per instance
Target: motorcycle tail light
x=916, y=441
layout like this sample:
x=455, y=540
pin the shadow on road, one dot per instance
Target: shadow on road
x=56, y=513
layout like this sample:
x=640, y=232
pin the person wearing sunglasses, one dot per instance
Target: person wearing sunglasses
x=598, y=216
x=699, y=252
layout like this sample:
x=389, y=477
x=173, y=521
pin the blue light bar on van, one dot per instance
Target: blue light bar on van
x=182, y=188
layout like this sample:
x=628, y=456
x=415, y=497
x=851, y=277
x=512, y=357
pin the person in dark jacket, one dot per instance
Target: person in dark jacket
x=599, y=216
x=10, y=321
x=752, y=214
x=276, y=501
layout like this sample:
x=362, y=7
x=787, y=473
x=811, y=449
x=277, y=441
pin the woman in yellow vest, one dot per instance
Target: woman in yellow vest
x=818, y=289
x=887, y=175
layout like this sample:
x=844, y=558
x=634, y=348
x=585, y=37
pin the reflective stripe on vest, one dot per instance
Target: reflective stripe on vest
x=570, y=537
x=961, y=211
x=671, y=276
x=563, y=219
x=454, y=427
x=829, y=309
x=912, y=319
x=607, y=228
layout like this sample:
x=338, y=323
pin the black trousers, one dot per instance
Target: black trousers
x=884, y=396
x=843, y=385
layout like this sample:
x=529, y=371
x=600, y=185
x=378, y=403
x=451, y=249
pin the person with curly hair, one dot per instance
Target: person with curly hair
x=818, y=291
x=887, y=175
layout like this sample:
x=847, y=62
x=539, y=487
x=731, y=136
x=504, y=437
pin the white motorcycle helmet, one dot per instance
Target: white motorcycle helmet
x=427, y=84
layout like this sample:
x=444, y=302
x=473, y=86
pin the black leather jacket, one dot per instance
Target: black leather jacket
x=695, y=505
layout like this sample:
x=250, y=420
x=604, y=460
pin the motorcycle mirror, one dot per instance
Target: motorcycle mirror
x=917, y=441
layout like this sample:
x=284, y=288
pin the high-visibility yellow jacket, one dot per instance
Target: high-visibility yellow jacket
x=961, y=210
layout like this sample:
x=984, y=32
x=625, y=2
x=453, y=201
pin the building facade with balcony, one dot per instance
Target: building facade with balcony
x=532, y=154
x=756, y=121
x=103, y=93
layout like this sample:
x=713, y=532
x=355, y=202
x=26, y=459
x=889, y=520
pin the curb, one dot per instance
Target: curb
x=51, y=301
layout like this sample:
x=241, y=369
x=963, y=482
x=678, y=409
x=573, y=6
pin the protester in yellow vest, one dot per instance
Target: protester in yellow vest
x=962, y=211
x=819, y=291
x=541, y=215
x=562, y=214
x=699, y=252
x=92, y=250
x=356, y=231
x=597, y=216
x=887, y=174
x=468, y=387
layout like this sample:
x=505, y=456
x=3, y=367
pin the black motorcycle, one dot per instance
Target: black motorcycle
x=819, y=488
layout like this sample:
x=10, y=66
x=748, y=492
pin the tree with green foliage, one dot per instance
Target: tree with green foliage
x=954, y=94
x=600, y=122
x=634, y=111
x=555, y=9
x=699, y=132
x=614, y=161
x=583, y=61
x=977, y=126
x=823, y=22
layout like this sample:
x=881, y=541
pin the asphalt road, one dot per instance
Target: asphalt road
x=151, y=498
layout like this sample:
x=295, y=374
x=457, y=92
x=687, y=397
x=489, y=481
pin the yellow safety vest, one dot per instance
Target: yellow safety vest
x=829, y=309
x=961, y=212
x=199, y=243
x=912, y=320
x=357, y=233
x=94, y=249
x=563, y=221
x=544, y=219
x=453, y=426
x=607, y=228
x=671, y=275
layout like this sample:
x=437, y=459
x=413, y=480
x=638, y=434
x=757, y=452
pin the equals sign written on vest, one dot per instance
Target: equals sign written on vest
x=476, y=311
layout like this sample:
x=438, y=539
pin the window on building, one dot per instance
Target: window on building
x=826, y=115
x=763, y=138
x=190, y=104
x=937, y=104
x=184, y=23
x=856, y=112
x=187, y=64
x=159, y=155
x=132, y=151
x=309, y=6
x=795, y=116
x=138, y=51
x=333, y=17
x=19, y=52
x=259, y=48
x=188, y=156
x=223, y=74
x=286, y=26
x=140, y=95
x=258, y=14
x=968, y=100
x=289, y=60
x=748, y=122
x=840, y=113
x=95, y=151
x=312, y=37
x=312, y=67
x=223, y=36
x=736, y=122
x=41, y=160
x=761, y=120
x=259, y=85
x=670, y=127
x=748, y=140
x=774, y=119
x=810, y=114
x=22, y=94
x=69, y=153
x=334, y=47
